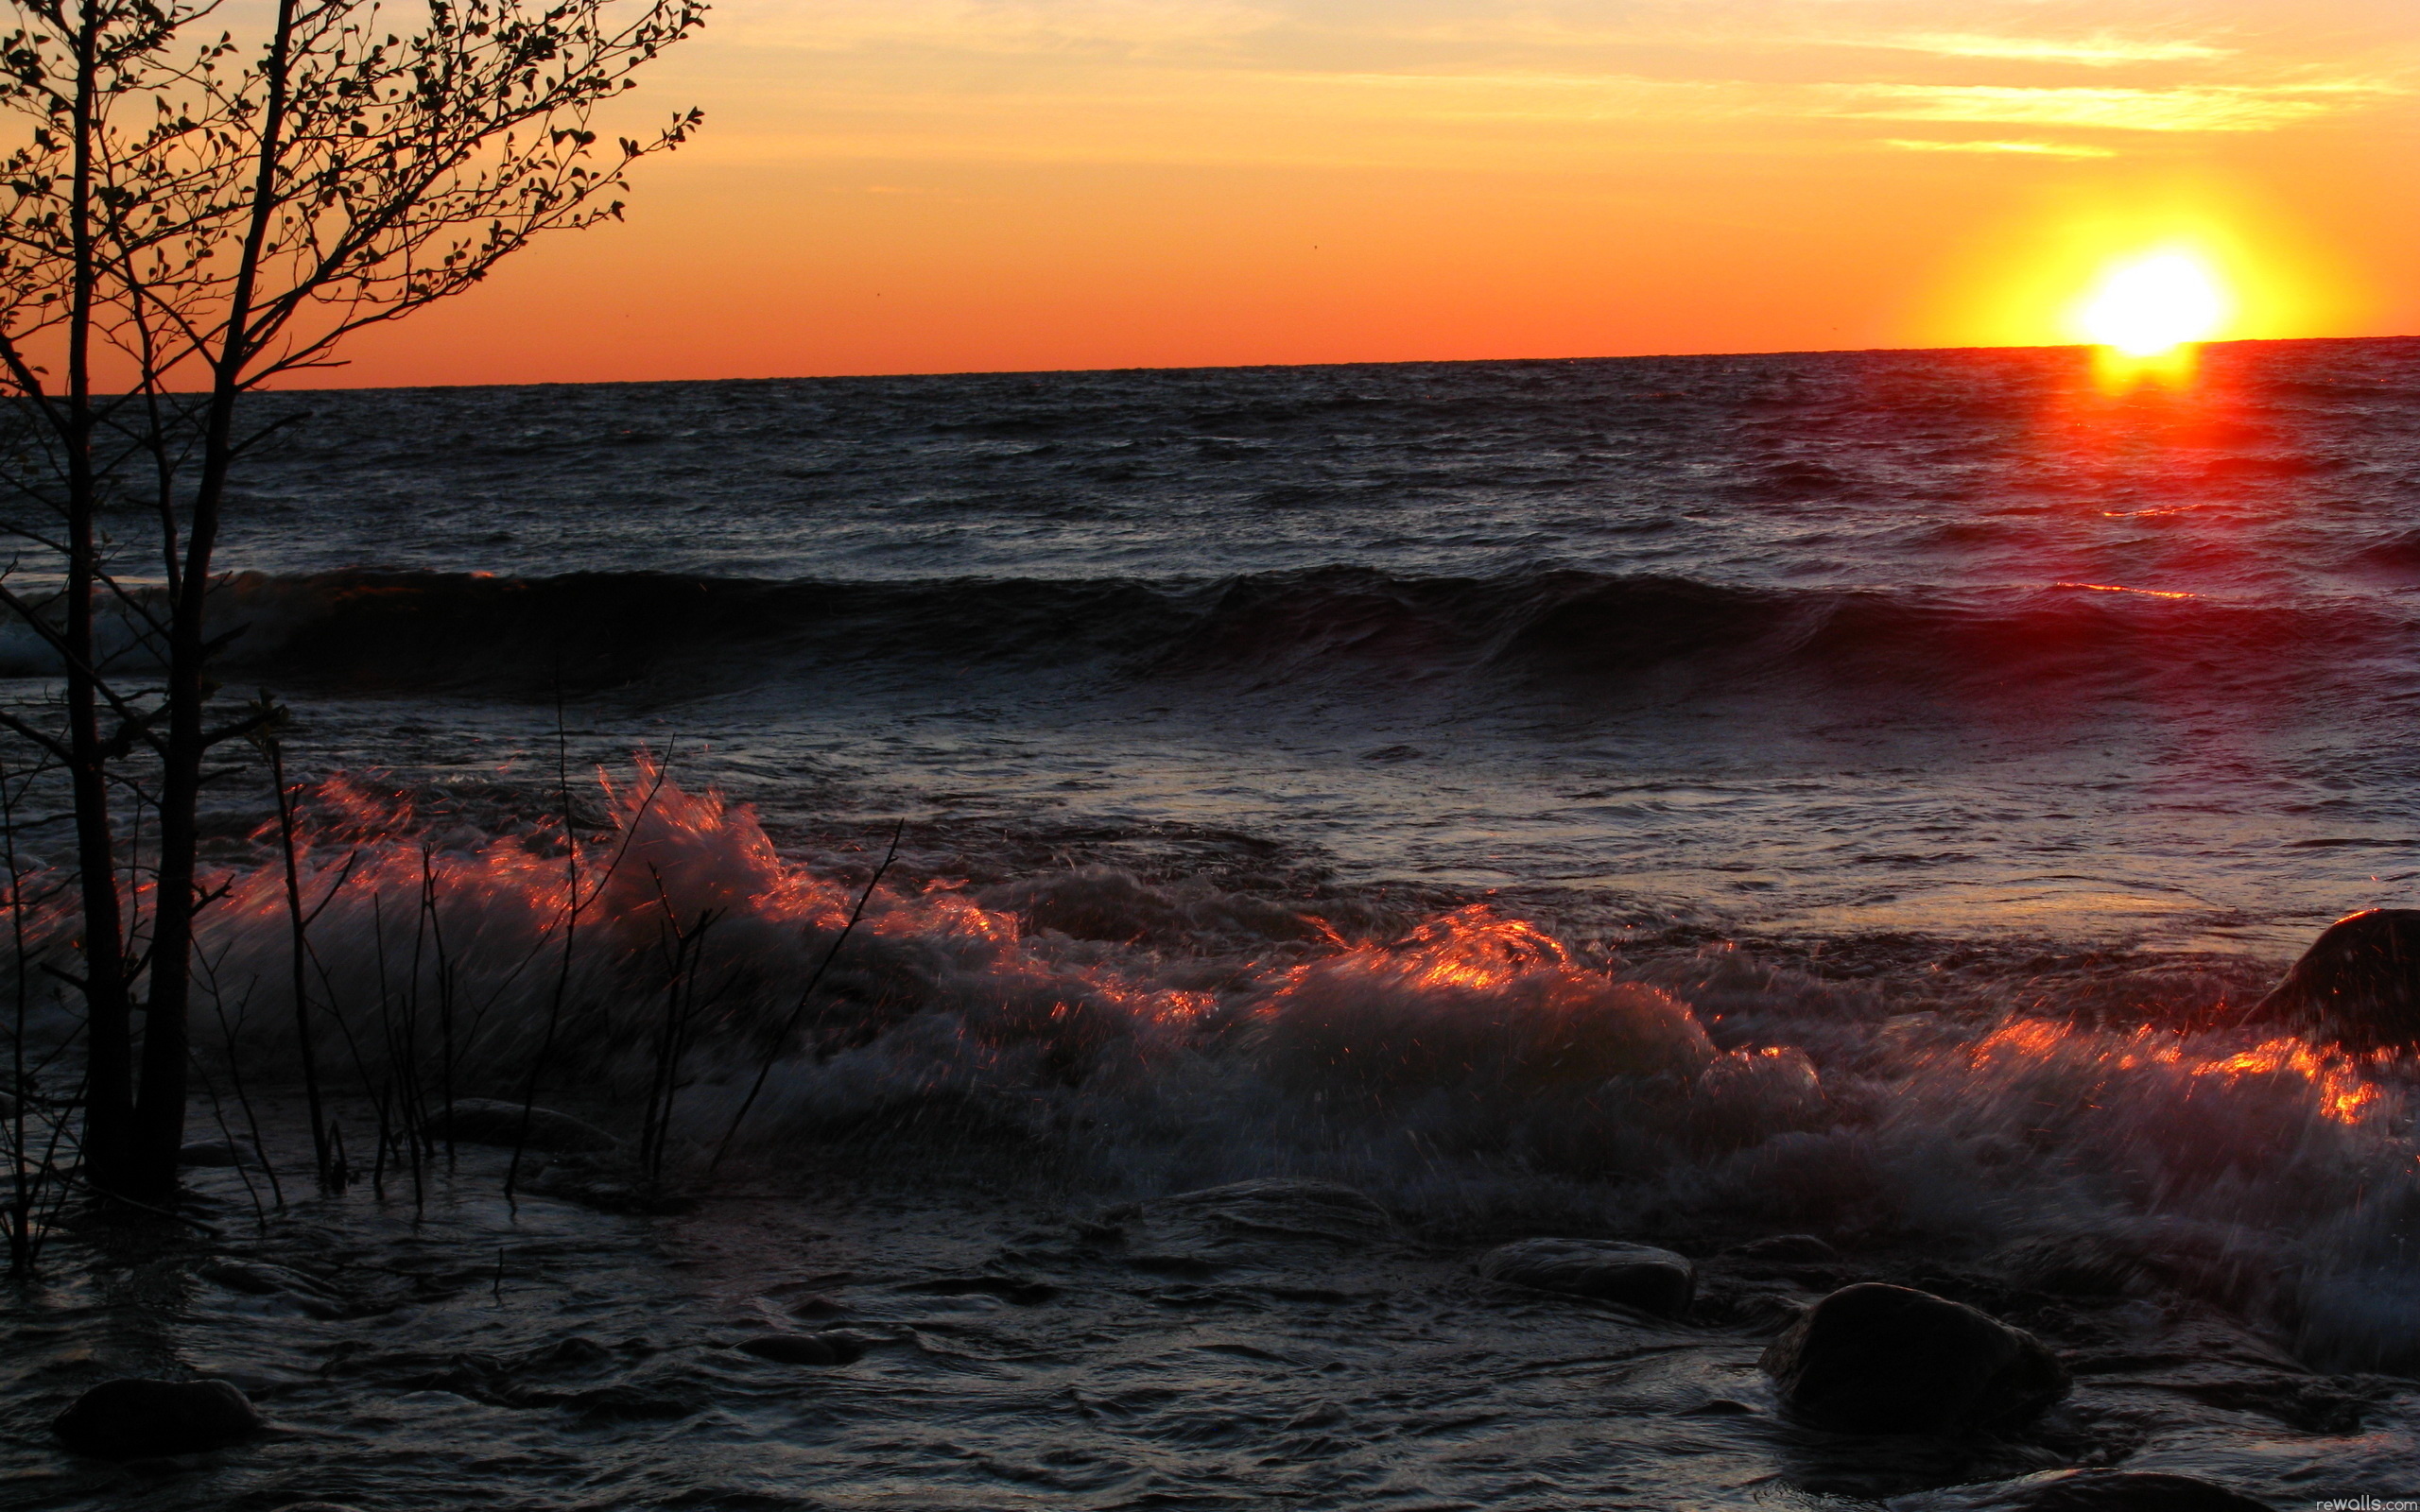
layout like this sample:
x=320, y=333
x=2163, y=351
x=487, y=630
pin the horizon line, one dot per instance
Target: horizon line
x=1266, y=367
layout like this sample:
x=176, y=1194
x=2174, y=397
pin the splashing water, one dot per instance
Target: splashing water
x=1472, y=1060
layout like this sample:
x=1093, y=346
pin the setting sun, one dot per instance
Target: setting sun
x=2153, y=304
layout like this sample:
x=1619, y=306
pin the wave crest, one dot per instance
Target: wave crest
x=1557, y=633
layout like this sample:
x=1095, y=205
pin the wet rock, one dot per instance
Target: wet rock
x=1755, y=1311
x=826, y=1348
x=1651, y=1279
x=492, y=1121
x=1882, y=1359
x=2088, y=1491
x=138, y=1419
x=1787, y=1249
x=2356, y=986
x=221, y=1153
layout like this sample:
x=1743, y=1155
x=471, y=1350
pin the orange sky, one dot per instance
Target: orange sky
x=930, y=185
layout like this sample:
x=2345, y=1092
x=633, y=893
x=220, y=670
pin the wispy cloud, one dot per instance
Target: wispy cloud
x=2101, y=50
x=2043, y=149
x=1010, y=27
x=1115, y=77
x=2189, y=108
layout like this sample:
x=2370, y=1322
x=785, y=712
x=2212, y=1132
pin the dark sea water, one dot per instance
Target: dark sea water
x=1688, y=800
x=1949, y=642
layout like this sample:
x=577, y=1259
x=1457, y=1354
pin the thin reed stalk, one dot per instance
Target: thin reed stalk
x=574, y=903
x=571, y=933
x=682, y=964
x=228, y=1035
x=218, y=1116
x=444, y=988
x=285, y=828
x=25, y=1242
x=806, y=994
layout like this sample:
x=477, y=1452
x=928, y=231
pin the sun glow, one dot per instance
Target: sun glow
x=2151, y=304
x=2147, y=277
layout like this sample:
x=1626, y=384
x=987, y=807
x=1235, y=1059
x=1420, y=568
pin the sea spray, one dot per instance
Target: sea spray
x=1467, y=1066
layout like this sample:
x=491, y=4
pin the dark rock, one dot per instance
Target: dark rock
x=1877, y=1359
x=1754, y=1311
x=2089, y=1491
x=314, y=1507
x=138, y=1419
x=1653, y=1280
x=1788, y=1249
x=805, y=1348
x=221, y=1153
x=2358, y=987
x=490, y=1121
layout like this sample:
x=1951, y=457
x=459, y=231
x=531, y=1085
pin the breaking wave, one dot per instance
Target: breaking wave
x=1315, y=630
x=1467, y=1063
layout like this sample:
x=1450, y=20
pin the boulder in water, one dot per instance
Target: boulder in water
x=1653, y=1280
x=138, y=1420
x=1878, y=1359
x=2088, y=1491
x=832, y=1348
x=492, y=1120
x=2358, y=987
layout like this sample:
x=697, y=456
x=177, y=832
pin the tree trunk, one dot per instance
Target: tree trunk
x=110, y=1141
x=160, y=1116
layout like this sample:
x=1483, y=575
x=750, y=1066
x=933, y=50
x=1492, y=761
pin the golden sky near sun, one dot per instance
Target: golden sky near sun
x=919, y=186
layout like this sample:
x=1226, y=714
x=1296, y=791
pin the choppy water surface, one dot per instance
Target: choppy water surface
x=1940, y=641
x=1690, y=799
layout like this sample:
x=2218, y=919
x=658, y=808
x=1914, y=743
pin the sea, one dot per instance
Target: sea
x=1846, y=798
